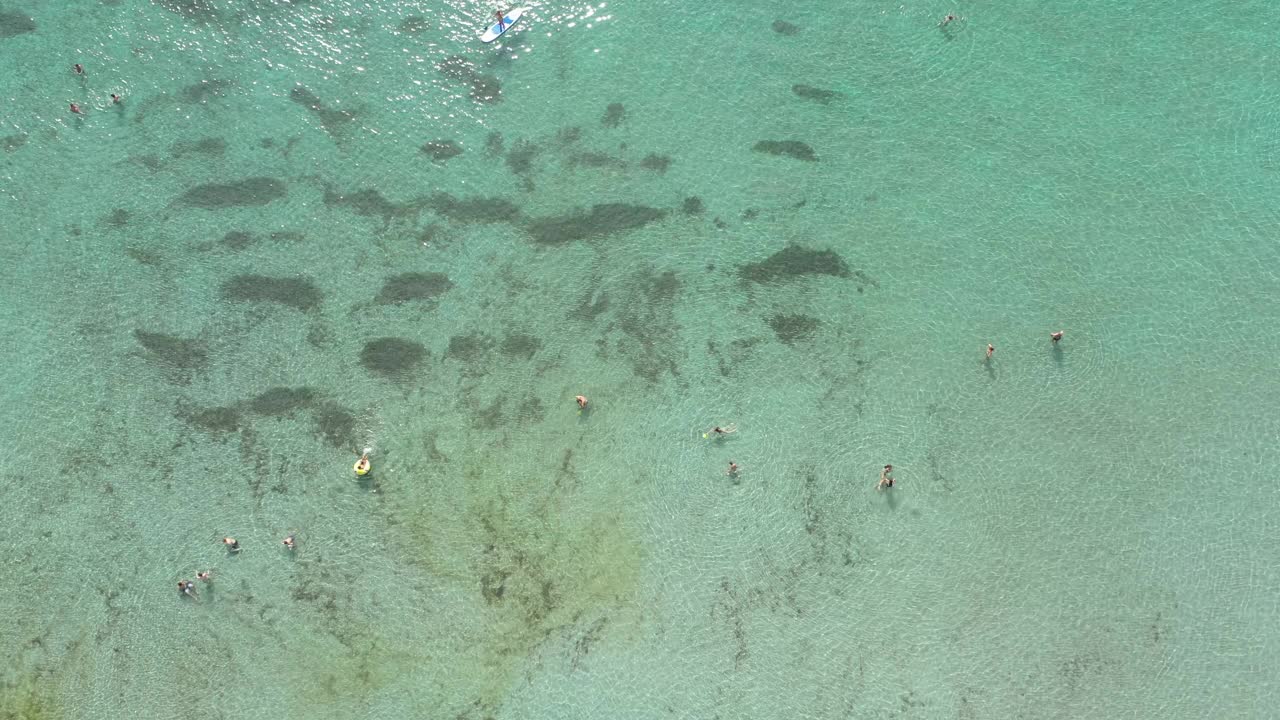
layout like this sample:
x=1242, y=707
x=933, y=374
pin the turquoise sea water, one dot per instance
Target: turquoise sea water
x=217, y=292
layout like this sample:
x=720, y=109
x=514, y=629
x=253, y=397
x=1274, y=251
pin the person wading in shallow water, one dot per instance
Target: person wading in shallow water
x=886, y=481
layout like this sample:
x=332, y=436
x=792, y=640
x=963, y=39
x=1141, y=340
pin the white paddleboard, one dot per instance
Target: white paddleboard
x=509, y=19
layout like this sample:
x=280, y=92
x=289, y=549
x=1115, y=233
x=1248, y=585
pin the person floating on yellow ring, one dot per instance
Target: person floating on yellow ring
x=362, y=465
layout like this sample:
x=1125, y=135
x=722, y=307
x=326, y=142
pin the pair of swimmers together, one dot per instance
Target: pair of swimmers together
x=188, y=588
x=1056, y=337
x=290, y=542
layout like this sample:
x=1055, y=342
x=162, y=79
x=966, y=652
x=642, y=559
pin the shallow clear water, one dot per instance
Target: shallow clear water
x=220, y=290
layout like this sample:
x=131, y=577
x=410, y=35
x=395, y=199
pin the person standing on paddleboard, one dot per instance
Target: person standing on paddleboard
x=500, y=18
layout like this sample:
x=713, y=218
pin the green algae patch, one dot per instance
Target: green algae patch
x=340, y=678
x=27, y=699
x=539, y=562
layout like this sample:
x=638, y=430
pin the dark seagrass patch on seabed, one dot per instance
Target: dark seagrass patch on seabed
x=568, y=135
x=241, y=193
x=792, y=262
x=370, y=203
x=408, y=287
x=520, y=345
x=173, y=351
x=279, y=401
x=335, y=424
x=656, y=163
x=414, y=25
x=199, y=93
x=214, y=420
x=485, y=88
x=593, y=159
x=602, y=221
x=520, y=158
x=789, y=148
x=474, y=210
x=239, y=239
x=693, y=206
x=332, y=120
x=209, y=147
x=392, y=357
x=614, y=114
x=298, y=293
x=471, y=350
x=10, y=143
x=117, y=218
x=143, y=256
x=441, y=150
x=13, y=24
x=791, y=328
x=151, y=163
x=809, y=92
x=493, y=144
x=782, y=27
x=593, y=303
x=652, y=344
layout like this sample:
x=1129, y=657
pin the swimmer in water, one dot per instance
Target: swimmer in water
x=733, y=469
x=76, y=109
x=232, y=544
x=721, y=431
x=1055, y=337
x=78, y=68
x=115, y=99
x=205, y=575
x=582, y=401
x=885, y=480
x=288, y=542
x=188, y=588
x=948, y=20
x=991, y=350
